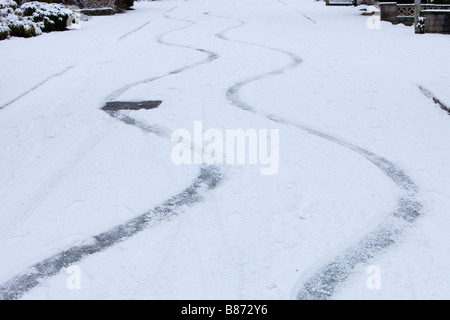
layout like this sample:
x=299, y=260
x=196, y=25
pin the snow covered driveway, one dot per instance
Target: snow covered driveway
x=357, y=208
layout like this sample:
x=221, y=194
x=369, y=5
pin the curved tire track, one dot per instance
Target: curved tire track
x=325, y=281
x=208, y=178
x=211, y=56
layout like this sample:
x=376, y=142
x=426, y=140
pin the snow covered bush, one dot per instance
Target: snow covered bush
x=5, y=31
x=12, y=23
x=80, y=3
x=22, y=26
x=6, y=8
x=49, y=16
x=117, y=5
x=4, y=4
x=32, y=18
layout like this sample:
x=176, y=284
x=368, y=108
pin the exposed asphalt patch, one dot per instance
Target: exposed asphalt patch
x=116, y=110
x=131, y=105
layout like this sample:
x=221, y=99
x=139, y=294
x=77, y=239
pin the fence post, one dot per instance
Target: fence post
x=417, y=8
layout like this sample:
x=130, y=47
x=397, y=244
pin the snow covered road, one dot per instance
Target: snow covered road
x=362, y=176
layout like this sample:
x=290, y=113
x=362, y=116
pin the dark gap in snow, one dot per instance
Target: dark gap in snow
x=131, y=105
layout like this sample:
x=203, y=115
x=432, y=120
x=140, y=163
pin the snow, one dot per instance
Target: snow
x=70, y=171
x=369, y=9
x=8, y=4
x=46, y=9
x=436, y=10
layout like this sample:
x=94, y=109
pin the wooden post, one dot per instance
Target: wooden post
x=417, y=8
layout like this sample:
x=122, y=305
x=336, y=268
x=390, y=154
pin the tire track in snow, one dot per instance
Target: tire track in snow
x=208, y=179
x=299, y=12
x=133, y=31
x=70, y=161
x=325, y=281
x=431, y=96
x=58, y=74
x=211, y=56
x=50, y=182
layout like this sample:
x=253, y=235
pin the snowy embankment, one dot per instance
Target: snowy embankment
x=71, y=172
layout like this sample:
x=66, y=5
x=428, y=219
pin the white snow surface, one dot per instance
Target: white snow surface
x=69, y=171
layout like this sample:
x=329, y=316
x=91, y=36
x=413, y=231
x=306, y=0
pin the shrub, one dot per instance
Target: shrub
x=5, y=31
x=122, y=5
x=24, y=28
x=32, y=18
x=12, y=23
x=8, y=4
x=89, y=4
x=5, y=12
x=18, y=26
x=49, y=16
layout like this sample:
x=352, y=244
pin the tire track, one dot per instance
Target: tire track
x=326, y=281
x=297, y=11
x=211, y=56
x=50, y=182
x=427, y=93
x=208, y=179
x=133, y=31
x=58, y=74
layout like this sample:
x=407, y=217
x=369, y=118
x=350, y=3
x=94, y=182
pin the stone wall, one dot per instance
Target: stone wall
x=437, y=16
x=436, y=21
